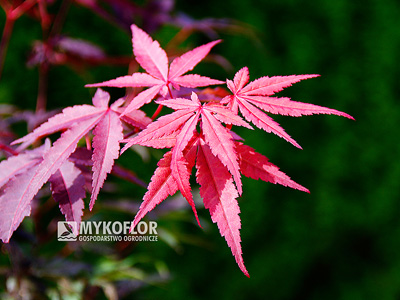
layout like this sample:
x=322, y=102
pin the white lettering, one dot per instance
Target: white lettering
x=97, y=226
x=140, y=229
x=114, y=230
x=152, y=227
x=85, y=228
x=127, y=225
x=106, y=227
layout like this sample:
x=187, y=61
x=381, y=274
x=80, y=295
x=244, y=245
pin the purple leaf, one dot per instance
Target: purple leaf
x=31, y=181
x=80, y=48
x=69, y=117
x=14, y=205
x=18, y=164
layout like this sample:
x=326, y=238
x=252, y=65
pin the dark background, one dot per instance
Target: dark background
x=342, y=240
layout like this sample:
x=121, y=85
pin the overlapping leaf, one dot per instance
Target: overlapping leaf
x=163, y=183
x=67, y=186
x=219, y=195
x=15, y=203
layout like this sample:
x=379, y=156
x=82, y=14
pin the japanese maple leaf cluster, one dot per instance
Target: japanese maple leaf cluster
x=198, y=132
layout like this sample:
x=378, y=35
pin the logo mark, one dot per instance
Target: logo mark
x=65, y=231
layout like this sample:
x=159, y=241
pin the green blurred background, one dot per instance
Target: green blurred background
x=341, y=241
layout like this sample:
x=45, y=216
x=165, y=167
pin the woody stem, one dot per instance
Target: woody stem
x=5, y=39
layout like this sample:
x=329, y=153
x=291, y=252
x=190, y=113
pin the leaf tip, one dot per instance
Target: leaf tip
x=349, y=117
x=94, y=85
x=91, y=204
x=294, y=143
x=217, y=41
x=126, y=147
x=6, y=239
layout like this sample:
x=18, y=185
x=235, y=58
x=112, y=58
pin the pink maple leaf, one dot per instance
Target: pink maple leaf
x=159, y=77
x=256, y=166
x=249, y=98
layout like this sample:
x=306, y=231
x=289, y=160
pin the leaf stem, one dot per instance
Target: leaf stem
x=130, y=133
x=42, y=89
x=160, y=107
x=8, y=149
x=170, y=92
x=157, y=112
x=88, y=143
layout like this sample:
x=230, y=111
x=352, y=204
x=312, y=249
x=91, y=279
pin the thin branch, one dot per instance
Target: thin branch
x=21, y=9
x=126, y=174
x=60, y=18
x=42, y=89
x=45, y=20
x=11, y=16
x=170, y=92
x=106, y=15
x=5, y=39
x=5, y=5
